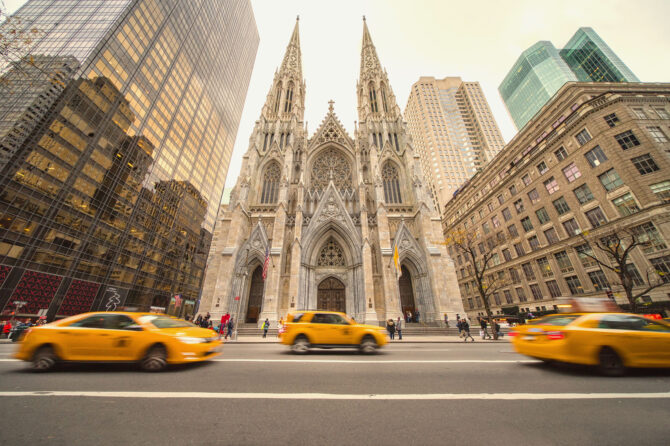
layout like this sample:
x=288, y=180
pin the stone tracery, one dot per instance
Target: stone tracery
x=331, y=164
x=331, y=254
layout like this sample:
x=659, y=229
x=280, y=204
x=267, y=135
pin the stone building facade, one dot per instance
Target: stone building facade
x=596, y=158
x=328, y=212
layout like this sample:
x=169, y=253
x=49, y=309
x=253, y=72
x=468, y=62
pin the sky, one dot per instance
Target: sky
x=477, y=40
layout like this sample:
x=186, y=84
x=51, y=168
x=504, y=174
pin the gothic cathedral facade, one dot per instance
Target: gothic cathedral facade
x=328, y=212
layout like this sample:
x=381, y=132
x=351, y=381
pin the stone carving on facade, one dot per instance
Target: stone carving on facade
x=331, y=254
x=331, y=165
x=331, y=212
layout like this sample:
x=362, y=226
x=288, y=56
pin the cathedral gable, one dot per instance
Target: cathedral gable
x=257, y=244
x=406, y=243
x=331, y=209
x=330, y=130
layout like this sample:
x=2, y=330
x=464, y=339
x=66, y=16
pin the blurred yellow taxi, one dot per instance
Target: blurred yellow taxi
x=611, y=341
x=150, y=339
x=328, y=329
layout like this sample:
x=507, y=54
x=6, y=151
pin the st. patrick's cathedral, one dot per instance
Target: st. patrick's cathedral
x=328, y=212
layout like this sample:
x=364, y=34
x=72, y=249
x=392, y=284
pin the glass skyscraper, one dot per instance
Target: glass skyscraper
x=116, y=131
x=542, y=70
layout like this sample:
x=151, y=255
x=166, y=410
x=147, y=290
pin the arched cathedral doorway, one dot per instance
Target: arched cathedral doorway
x=406, y=292
x=330, y=295
x=255, y=296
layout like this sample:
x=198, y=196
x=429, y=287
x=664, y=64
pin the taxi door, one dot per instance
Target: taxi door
x=124, y=338
x=340, y=332
x=654, y=340
x=320, y=329
x=83, y=340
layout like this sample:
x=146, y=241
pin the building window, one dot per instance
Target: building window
x=611, y=119
x=482, y=248
x=585, y=255
x=574, y=284
x=561, y=206
x=391, y=183
x=657, y=134
x=508, y=296
x=507, y=215
x=512, y=231
x=599, y=280
x=571, y=227
x=522, y=296
x=495, y=221
x=526, y=179
x=528, y=271
x=491, y=243
x=490, y=206
x=485, y=227
x=610, y=180
x=551, y=185
x=534, y=196
x=626, y=204
x=518, y=205
x=561, y=154
x=500, y=236
x=563, y=262
x=514, y=275
x=545, y=268
x=495, y=259
x=649, y=237
x=526, y=224
x=535, y=290
x=595, y=156
x=501, y=200
x=662, y=267
x=542, y=168
x=542, y=215
x=634, y=274
x=583, y=137
x=639, y=113
x=583, y=194
x=662, y=113
x=507, y=255
x=534, y=243
x=627, y=140
x=554, y=290
x=471, y=303
x=551, y=235
x=596, y=217
x=518, y=247
x=645, y=164
x=662, y=190
x=270, y=190
x=496, y=298
x=572, y=172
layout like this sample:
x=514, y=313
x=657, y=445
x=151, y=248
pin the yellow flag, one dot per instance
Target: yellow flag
x=396, y=259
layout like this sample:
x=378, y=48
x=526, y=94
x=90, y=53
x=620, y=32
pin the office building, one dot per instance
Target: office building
x=117, y=129
x=594, y=161
x=453, y=130
x=542, y=69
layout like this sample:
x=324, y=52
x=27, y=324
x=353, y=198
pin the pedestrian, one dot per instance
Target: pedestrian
x=459, y=325
x=409, y=316
x=446, y=320
x=496, y=328
x=398, y=327
x=390, y=326
x=229, y=332
x=266, y=326
x=466, y=330
x=417, y=316
x=484, y=332
x=280, y=325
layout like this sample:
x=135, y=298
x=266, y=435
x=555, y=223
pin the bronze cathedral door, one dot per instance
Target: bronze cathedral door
x=330, y=296
x=406, y=293
x=255, y=296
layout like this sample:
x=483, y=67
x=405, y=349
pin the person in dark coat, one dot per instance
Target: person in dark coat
x=466, y=330
x=229, y=332
x=390, y=326
x=266, y=327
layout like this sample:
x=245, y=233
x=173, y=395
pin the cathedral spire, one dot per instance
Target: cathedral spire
x=370, y=66
x=291, y=66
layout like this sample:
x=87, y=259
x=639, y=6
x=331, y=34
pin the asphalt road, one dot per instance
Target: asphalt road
x=481, y=393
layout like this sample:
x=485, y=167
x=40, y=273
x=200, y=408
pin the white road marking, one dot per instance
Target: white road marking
x=383, y=361
x=8, y=360
x=337, y=396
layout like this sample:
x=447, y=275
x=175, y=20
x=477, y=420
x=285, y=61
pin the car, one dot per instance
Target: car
x=329, y=329
x=610, y=341
x=149, y=339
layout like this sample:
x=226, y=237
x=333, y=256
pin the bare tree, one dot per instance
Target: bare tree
x=480, y=257
x=616, y=245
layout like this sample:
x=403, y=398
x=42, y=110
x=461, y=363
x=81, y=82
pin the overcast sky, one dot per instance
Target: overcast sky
x=477, y=40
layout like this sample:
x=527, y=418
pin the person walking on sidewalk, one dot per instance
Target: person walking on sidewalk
x=446, y=320
x=399, y=325
x=484, y=325
x=390, y=326
x=229, y=332
x=266, y=326
x=466, y=331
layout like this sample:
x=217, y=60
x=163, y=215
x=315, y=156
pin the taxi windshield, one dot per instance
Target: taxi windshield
x=558, y=319
x=165, y=322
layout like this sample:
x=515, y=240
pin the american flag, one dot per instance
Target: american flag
x=266, y=263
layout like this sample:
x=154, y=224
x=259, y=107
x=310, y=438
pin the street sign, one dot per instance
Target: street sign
x=237, y=297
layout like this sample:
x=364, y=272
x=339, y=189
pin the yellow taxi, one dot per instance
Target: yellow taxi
x=611, y=341
x=150, y=339
x=328, y=329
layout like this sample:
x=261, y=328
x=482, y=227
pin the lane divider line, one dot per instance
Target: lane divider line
x=337, y=396
x=386, y=361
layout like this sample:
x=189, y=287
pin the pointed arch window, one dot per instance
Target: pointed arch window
x=331, y=254
x=278, y=98
x=270, y=184
x=391, y=182
x=384, y=103
x=373, y=98
x=289, y=98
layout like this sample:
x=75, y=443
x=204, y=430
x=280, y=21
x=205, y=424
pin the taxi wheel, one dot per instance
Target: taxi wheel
x=610, y=363
x=155, y=359
x=300, y=345
x=368, y=345
x=44, y=359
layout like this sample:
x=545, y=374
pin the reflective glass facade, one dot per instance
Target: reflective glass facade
x=592, y=60
x=116, y=131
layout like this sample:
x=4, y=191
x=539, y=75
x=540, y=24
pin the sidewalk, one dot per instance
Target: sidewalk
x=416, y=339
